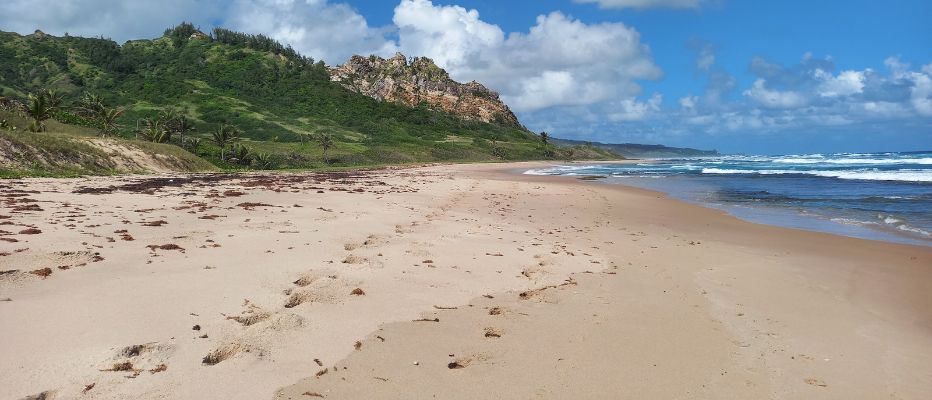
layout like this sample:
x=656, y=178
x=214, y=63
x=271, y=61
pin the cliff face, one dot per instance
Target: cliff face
x=419, y=80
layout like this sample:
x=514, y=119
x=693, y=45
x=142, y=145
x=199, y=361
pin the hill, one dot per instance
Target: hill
x=279, y=100
x=633, y=150
x=67, y=150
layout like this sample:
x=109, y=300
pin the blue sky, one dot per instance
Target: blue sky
x=738, y=76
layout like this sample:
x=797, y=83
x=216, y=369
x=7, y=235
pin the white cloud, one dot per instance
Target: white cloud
x=705, y=54
x=120, y=20
x=451, y=35
x=644, y=3
x=689, y=103
x=884, y=109
x=845, y=84
x=774, y=98
x=317, y=28
x=560, y=61
x=705, y=59
x=922, y=93
x=633, y=110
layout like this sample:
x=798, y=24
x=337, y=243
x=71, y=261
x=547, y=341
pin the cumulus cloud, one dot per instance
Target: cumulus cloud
x=634, y=110
x=844, y=84
x=719, y=85
x=774, y=98
x=705, y=54
x=560, y=61
x=688, y=103
x=317, y=28
x=119, y=20
x=810, y=96
x=451, y=35
x=644, y=3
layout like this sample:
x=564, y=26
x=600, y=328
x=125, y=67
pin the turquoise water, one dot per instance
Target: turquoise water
x=880, y=196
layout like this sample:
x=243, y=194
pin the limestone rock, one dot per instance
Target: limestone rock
x=412, y=81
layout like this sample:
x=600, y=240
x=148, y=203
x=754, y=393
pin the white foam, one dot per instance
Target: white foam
x=557, y=170
x=908, y=228
x=867, y=175
x=855, y=161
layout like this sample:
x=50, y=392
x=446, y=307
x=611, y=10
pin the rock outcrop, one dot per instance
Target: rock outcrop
x=418, y=80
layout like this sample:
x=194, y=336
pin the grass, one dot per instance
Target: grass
x=65, y=150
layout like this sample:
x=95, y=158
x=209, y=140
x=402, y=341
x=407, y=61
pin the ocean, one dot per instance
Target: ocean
x=879, y=196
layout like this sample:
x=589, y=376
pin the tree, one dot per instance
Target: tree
x=90, y=105
x=262, y=160
x=325, y=140
x=192, y=144
x=156, y=131
x=52, y=97
x=240, y=154
x=224, y=136
x=545, y=138
x=107, y=117
x=183, y=125
x=39, y=109
x=169, y=118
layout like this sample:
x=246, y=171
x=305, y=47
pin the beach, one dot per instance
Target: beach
x=453, y=281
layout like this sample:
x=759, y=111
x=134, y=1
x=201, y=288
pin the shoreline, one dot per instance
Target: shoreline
x=776, y=216
x=672, y=277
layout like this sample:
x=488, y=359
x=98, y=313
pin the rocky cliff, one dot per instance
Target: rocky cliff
x=417, y=80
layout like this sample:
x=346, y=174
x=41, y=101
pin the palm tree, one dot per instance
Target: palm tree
x=169, y=119
x=545, y=137
x=262, y=160
x=184, y=125
x=52, y=97
x=90, y=105
x=192, y=144
x=224, y=136
x=155, y=131
x=325, y=140
x=156, y=134
x=240, y=154
x=39, y=110
x=107, y=117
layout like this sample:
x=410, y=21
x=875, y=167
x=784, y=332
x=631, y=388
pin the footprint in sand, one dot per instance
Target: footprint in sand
x=815, y=382
x=463, y=362
x=137, y=358
x=320, y=287
x=223, y=353
x=46, y=395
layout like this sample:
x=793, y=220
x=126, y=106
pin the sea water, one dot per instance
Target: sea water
x=880, y=196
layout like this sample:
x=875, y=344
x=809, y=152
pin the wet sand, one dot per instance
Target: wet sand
x=458, y=281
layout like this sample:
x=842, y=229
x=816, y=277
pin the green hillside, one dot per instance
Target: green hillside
x=634, y=150
x=280, y=102
x=69, y=150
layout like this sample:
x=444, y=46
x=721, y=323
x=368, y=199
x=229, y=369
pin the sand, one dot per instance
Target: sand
x=464, y=281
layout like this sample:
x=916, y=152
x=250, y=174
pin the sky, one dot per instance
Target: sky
x=739, y=76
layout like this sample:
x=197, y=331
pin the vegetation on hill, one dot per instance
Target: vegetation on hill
x=633, y=150
x=272, y=104
x=69, y=150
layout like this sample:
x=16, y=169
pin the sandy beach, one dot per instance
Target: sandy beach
x=454, y=281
